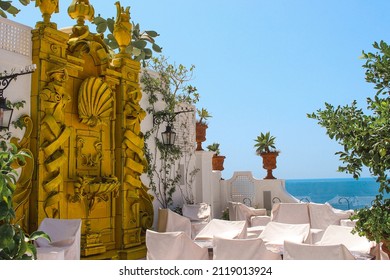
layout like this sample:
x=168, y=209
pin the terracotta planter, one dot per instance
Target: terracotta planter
x=200, y=135
x=162, y=219
x=217, y=162
x=269, y=163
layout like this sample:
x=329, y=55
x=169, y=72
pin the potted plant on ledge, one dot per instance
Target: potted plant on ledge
x=265, y=147
x=217, y=159
x=201, y=126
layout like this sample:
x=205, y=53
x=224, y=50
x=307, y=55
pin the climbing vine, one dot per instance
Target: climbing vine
x=168, y=83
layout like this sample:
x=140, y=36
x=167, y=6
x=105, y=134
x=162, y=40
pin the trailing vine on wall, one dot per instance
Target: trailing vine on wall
x=168, y=83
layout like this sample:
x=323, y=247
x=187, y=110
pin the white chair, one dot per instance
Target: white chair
x=65, y=235
x=199, y=215
x=240, y=212
x=173, y=246
x=299, y=251
x=324, y=215
x=223, y=228
x=342, y=235
x=290, y=213
x=176, y=222
x=276, y=233
x=242, y=249
x=200, y=212
x=260, y=221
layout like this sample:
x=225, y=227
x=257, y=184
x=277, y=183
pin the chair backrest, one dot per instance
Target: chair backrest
x=277, y=233
x=173, y=246
x=176, y=222
x=342, y=235
x=290, y=213
x=223, y=228
x=200, y=212
x=323, y=215
x=241, y=212
x=242, y=249
x=299, y=251
x=64, y=233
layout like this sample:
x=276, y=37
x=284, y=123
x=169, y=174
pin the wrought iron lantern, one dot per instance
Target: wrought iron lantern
x=5, y=111
x=168, y=136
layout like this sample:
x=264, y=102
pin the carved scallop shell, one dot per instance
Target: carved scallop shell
x=95, y=102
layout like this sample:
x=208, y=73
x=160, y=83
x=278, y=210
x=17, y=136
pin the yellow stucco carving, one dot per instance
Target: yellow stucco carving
x=88, y=143
x=47, y=7
x=23, y=185
x=122, y=28
x=95, y=102
x=54, y=133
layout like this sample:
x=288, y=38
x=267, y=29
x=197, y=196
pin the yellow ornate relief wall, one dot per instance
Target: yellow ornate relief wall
x=87, y=142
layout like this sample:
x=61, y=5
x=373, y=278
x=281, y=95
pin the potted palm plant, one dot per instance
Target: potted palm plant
x=217, y=159
x=201, y=127
x=265, y=147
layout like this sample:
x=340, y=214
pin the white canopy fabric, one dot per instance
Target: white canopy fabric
x=173, y=246
x=335, y=234
x=323, y=215
x=240, y=212
x=242, y=249
x=64, y=234
x=290, y=213
x=276, y=233
x=299, y=251
x=223, y=228
x=176, y=222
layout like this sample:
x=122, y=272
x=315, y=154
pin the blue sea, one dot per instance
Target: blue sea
x=341, y=193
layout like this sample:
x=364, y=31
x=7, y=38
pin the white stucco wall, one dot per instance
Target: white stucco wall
x=15, y=54
x=187, y=131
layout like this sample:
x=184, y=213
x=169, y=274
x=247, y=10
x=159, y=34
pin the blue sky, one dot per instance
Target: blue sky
x=262, y=66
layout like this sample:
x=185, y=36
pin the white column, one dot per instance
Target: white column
x=203, y=181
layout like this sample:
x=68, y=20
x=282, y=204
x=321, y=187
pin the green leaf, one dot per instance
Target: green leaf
x=7, y=235
x=152, y=33
x=147, y=38
x=139, y=44
x=13, y=10
x=4, y=15
x=113, y=45
x=101, y=27
x=39, y=234
x=136, y=52
x=98, y=20
x=111, y=24
x=148, y=53
x=156, y=48
x=24, y=2
x=5, y=5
